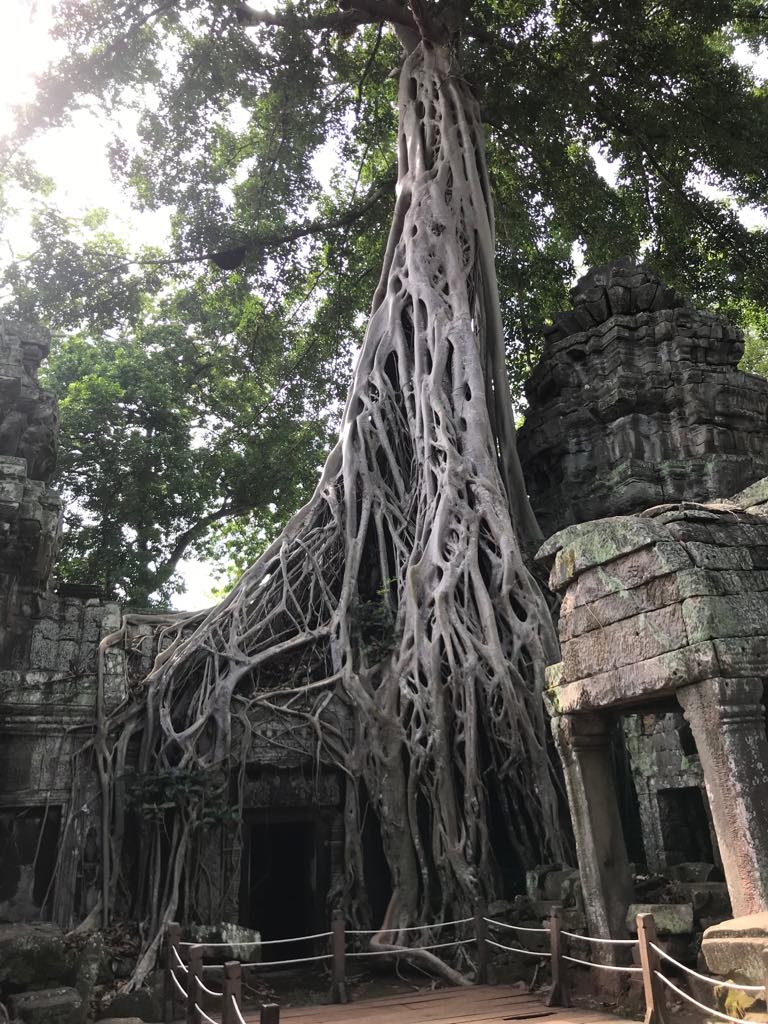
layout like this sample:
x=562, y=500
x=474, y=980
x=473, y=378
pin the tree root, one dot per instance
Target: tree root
x=400, y=588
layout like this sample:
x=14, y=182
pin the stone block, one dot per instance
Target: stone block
x=627, y=573
x=738, y=615
x=734, y=948
x=670, y=918
x=49, y=1006
x=145, y=1004
x=741, y=657
x=597, y=543
x=577, y=619
x=35, y=956
x=714, y=556
x=632, y=683
x=631, y=640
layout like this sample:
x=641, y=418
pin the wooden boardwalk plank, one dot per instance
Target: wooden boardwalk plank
x=480, y=1004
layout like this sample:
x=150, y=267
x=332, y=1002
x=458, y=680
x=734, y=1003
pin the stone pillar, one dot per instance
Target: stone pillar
x=728, y=724
x=584, y=744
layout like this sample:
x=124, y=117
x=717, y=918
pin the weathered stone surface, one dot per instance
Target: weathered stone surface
x=49, y=1006
x=28, y=414
x=707, y=618
x=597, y=543
x=670, y=918
x=34, y=956
x=631, y=683
x=694, y=872
x=637, y=400
x=145, y=1003
x=633, y=639
x=734, y=948
x=244, y=943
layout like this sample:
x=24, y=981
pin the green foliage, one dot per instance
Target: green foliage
x=199, y=795
x=197, y=404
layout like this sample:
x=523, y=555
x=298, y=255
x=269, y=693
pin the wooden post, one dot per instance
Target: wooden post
x=559, y=994
x=233, y=986
x=481, y=938
x=270, y=1013
x=172, y=940
x=650, y=962
x=338, y=949
x=194, y=974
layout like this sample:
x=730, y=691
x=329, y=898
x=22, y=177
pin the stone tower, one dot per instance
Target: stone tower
x=636, y=401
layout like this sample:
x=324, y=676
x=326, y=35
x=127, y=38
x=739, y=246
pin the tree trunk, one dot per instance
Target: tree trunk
x=401, y=585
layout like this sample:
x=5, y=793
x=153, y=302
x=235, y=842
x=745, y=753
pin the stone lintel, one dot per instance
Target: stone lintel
x=634, y=683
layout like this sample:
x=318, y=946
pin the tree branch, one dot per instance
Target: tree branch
x=304, y=229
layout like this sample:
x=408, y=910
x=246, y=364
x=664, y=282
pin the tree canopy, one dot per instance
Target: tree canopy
x=200, y=385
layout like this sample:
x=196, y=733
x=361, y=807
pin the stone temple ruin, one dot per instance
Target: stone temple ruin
x=646, y=453
x=640, y=431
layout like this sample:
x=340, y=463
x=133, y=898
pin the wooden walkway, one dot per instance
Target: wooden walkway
x=478, y=1004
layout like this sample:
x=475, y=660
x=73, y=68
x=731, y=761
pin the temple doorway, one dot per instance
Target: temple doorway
x=284, y=877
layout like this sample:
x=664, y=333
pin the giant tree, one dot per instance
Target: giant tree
x=401, y=587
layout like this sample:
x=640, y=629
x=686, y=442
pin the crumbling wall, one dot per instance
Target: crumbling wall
x=669, y=783
x=637, y=401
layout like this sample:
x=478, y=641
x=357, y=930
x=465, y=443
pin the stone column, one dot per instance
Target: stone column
x=584, y=744
x=728, y=724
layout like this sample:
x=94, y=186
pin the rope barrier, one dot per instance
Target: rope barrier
x=401, y=950
x=603, y=967
x=703, y=977
x=298, y=960
x=512, y=949
x=694, y=1002
x=412, y=928
x=179, y=962
x=261, y=942
x=516, y=927
x=238, y=1013
x=208, y=991
x=608, y=942
x=204, y=1015
x=181, y=990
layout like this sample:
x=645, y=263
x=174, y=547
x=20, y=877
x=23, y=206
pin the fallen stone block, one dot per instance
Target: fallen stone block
x=48, y=1006
x=734, y=948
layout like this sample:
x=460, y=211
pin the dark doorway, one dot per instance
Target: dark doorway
x=684, y=825
x=281, y=894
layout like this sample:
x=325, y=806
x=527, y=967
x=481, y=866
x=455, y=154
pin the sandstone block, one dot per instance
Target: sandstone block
x=739, y=615
x=35, y=956
x=49, y=1006
x=670, y=918
x=734, y=948
x=631, y=640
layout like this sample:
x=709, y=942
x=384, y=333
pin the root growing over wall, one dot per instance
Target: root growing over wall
x=400, y=589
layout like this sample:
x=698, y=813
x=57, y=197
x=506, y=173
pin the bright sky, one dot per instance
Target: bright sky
x=75, y=156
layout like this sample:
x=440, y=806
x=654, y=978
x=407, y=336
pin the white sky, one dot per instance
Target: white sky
x=75, y=156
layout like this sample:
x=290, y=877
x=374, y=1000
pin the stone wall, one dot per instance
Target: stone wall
x=669, y=783
x=46, y=711
x=637, y=401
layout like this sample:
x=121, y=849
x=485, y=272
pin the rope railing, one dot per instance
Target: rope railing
x=516, y=949
x=604, y=967
x=597, y=938
x=239, y=1019
x=413, y=928
x=694, y=1002
x=651, y=956
x=515, y=927
x=714, y=982
x=260, y=942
